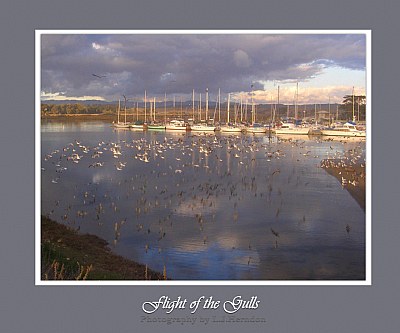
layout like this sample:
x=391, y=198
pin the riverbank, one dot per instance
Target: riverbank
x=67, y=255
x=351, y=177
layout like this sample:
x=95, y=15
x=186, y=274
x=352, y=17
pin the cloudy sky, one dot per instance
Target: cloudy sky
x=325, y=66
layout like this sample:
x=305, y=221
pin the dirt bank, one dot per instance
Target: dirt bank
x=67, y=255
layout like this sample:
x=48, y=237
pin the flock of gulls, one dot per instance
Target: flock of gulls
x=148, y=183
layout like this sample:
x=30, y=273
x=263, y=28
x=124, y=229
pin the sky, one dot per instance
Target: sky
x=317, y=68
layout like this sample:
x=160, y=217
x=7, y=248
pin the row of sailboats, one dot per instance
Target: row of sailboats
x=208, y=124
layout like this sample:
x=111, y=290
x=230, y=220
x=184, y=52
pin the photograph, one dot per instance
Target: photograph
x=208, y=157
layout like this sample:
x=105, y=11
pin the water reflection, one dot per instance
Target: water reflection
x=208, y=207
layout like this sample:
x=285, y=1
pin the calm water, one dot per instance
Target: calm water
x=213, y=207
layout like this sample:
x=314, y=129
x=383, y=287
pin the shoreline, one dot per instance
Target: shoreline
x=67, y=255
x=351, y=177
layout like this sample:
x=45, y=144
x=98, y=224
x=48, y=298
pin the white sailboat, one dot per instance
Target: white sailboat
x=201, y=126
x=254, y=127
x=120, y=124
x=228, y=127
x=177, y=125
x=154, y=124
x=348, y=129
x=293, y=128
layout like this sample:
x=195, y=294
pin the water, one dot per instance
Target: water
x=213, y=207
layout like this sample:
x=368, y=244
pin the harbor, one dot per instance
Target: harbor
x=263, y=207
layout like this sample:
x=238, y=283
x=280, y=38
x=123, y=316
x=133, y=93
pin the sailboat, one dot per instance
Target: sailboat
x=254, y=127
x=120, y=124
x=176, y=124
x=202, y=126
x=348, y=129
x=293, y=127
x=154, y=125
x=136, y=125
x=229, y=127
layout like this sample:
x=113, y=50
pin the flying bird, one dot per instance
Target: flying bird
x=99, y=76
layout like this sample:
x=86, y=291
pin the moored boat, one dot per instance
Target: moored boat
x=177, y=125
x=256, y=128
x=347, y=129
x=290, y=128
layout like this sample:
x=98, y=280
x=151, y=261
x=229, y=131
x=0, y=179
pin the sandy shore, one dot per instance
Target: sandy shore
x=351, y=177
x=68, y=248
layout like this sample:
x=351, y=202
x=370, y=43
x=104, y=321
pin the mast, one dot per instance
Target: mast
x=229, y=102
x=295, y=105
x=277, y=107
x=241, y=108
x=200, y=108
x=145, y=101
x=252, y=106
x=219, y=104
x=154, y=108
x=354, y=117
x=193, y=104
x=119, y=107
x=165, y=107
x=206, y=104
x=125, y=108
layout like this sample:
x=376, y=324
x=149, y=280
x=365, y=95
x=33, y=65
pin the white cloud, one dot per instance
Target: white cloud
x=59, y=96
x=241, y=59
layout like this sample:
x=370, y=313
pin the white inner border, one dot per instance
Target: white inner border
x=368, y=267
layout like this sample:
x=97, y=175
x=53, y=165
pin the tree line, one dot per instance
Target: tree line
x=76, y=108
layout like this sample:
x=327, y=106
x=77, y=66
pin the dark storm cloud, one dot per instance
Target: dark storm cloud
x=179, y=63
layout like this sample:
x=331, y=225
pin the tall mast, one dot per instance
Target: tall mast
x=206, y=104
x=145, y=101
x=277, y=107
x=165, y=107
x=297, y=97
x=229, y=102
x=252, y=105
x=154, y=108
x=200, y=108
x=241, y=108
x=219, y=104
x=119, y=107
x=125, y=107
x=354, y=117
x=193, y=103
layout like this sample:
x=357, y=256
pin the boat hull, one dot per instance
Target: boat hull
x=230, y=129
x=343, y=133
x=201, y=128
x=121, y=125
x=156, y=127
x=293, y=131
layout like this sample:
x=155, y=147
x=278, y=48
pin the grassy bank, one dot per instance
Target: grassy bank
x=351, y=177
x=66, y=255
